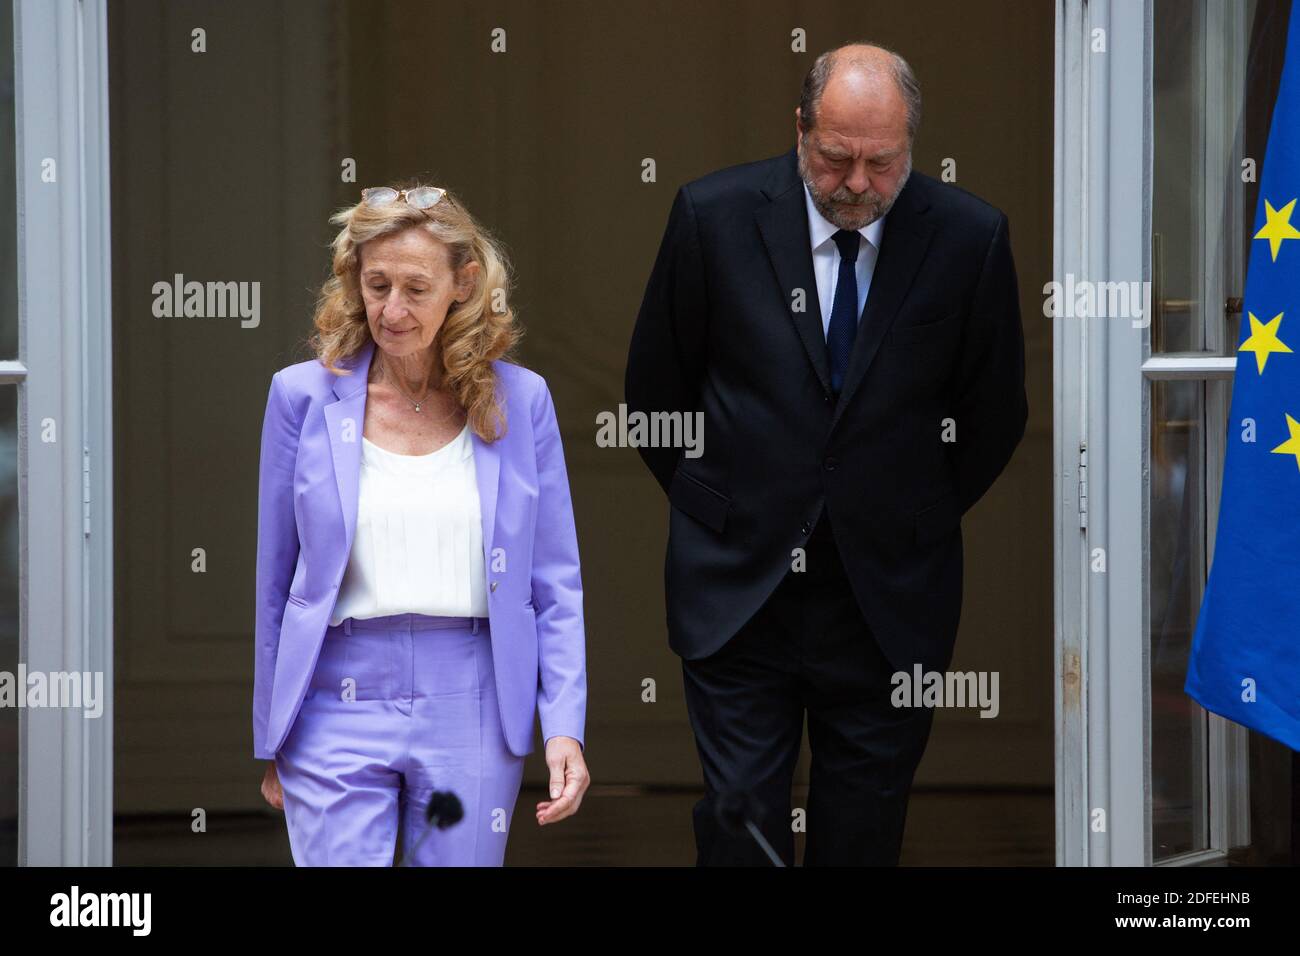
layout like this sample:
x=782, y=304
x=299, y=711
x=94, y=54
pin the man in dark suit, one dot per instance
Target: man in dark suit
x=850, y=332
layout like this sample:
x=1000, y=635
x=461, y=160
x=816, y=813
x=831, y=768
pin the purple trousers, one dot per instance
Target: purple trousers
x=399, y=707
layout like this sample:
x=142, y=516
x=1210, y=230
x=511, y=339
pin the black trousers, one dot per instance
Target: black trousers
x=808, y=648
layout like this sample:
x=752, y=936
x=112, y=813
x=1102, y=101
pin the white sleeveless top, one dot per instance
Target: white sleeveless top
x=418, y=546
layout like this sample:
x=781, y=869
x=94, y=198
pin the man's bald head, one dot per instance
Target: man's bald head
x=859, y=69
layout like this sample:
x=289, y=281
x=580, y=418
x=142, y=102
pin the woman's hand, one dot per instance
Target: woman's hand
x=569, y=780
x=271, y=789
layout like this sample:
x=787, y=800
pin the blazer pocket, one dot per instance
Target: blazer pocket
x=693, y=497
x=906, y=334
x=293, y=598
x=937, y=521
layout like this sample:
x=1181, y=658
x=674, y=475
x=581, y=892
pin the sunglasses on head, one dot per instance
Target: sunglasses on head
x=421, y=197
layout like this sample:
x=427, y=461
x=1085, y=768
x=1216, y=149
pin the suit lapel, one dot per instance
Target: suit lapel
x=903, y=246
x=345, y=420
x=783, y=224
x=487, y=474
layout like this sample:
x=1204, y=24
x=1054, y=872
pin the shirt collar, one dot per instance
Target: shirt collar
x=820, y=229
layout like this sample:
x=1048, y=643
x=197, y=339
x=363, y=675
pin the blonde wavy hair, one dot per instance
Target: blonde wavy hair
x=475, y=332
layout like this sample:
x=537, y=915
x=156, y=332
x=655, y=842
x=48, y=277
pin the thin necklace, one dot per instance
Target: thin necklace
x=383, y=367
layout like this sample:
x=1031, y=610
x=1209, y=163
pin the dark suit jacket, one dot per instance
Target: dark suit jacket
x=719, y=332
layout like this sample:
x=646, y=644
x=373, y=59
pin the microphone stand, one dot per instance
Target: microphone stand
x=734, y=811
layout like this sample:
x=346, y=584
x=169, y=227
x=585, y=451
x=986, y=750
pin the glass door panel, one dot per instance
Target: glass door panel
x=1211, y=100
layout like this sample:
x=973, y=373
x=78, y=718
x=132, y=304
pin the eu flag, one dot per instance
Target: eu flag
x=1245, y=660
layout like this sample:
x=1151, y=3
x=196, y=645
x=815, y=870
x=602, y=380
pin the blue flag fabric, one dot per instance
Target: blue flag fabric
x=1245, y=659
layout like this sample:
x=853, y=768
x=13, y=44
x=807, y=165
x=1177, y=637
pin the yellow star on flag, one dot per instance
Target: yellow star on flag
x=1263, y=339
x=1292, y=445
x=1278, y=226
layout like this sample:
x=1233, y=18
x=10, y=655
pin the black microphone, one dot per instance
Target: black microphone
x=735, y=811
x=444, y=810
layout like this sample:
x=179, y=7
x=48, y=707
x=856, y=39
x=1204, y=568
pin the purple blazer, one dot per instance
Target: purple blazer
x=307, y=515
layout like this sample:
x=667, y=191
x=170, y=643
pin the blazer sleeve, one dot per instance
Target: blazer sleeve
x=666, y=358
x=277, y=550
x=557, y=585
x=990, y=407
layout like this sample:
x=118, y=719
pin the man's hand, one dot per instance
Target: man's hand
x=569, y=780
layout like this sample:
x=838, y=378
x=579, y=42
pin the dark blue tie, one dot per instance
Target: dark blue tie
x=844, y=310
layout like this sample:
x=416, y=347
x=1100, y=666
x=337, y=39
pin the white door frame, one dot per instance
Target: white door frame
x=1101, y=198
x=64, y=423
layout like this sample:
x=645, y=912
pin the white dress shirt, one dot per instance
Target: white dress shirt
x=418, y=546
x=826, y=258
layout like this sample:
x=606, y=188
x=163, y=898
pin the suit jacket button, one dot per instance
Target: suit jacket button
x=831, y=463
x=826, y=397
x=807, y=528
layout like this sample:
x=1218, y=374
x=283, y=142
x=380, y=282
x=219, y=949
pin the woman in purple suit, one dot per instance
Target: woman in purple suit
x=419, y=602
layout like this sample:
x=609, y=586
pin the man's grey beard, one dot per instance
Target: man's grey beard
x=869, y=206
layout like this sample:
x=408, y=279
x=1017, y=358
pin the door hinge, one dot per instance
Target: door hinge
x=1083, y=485
x=85, y=490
